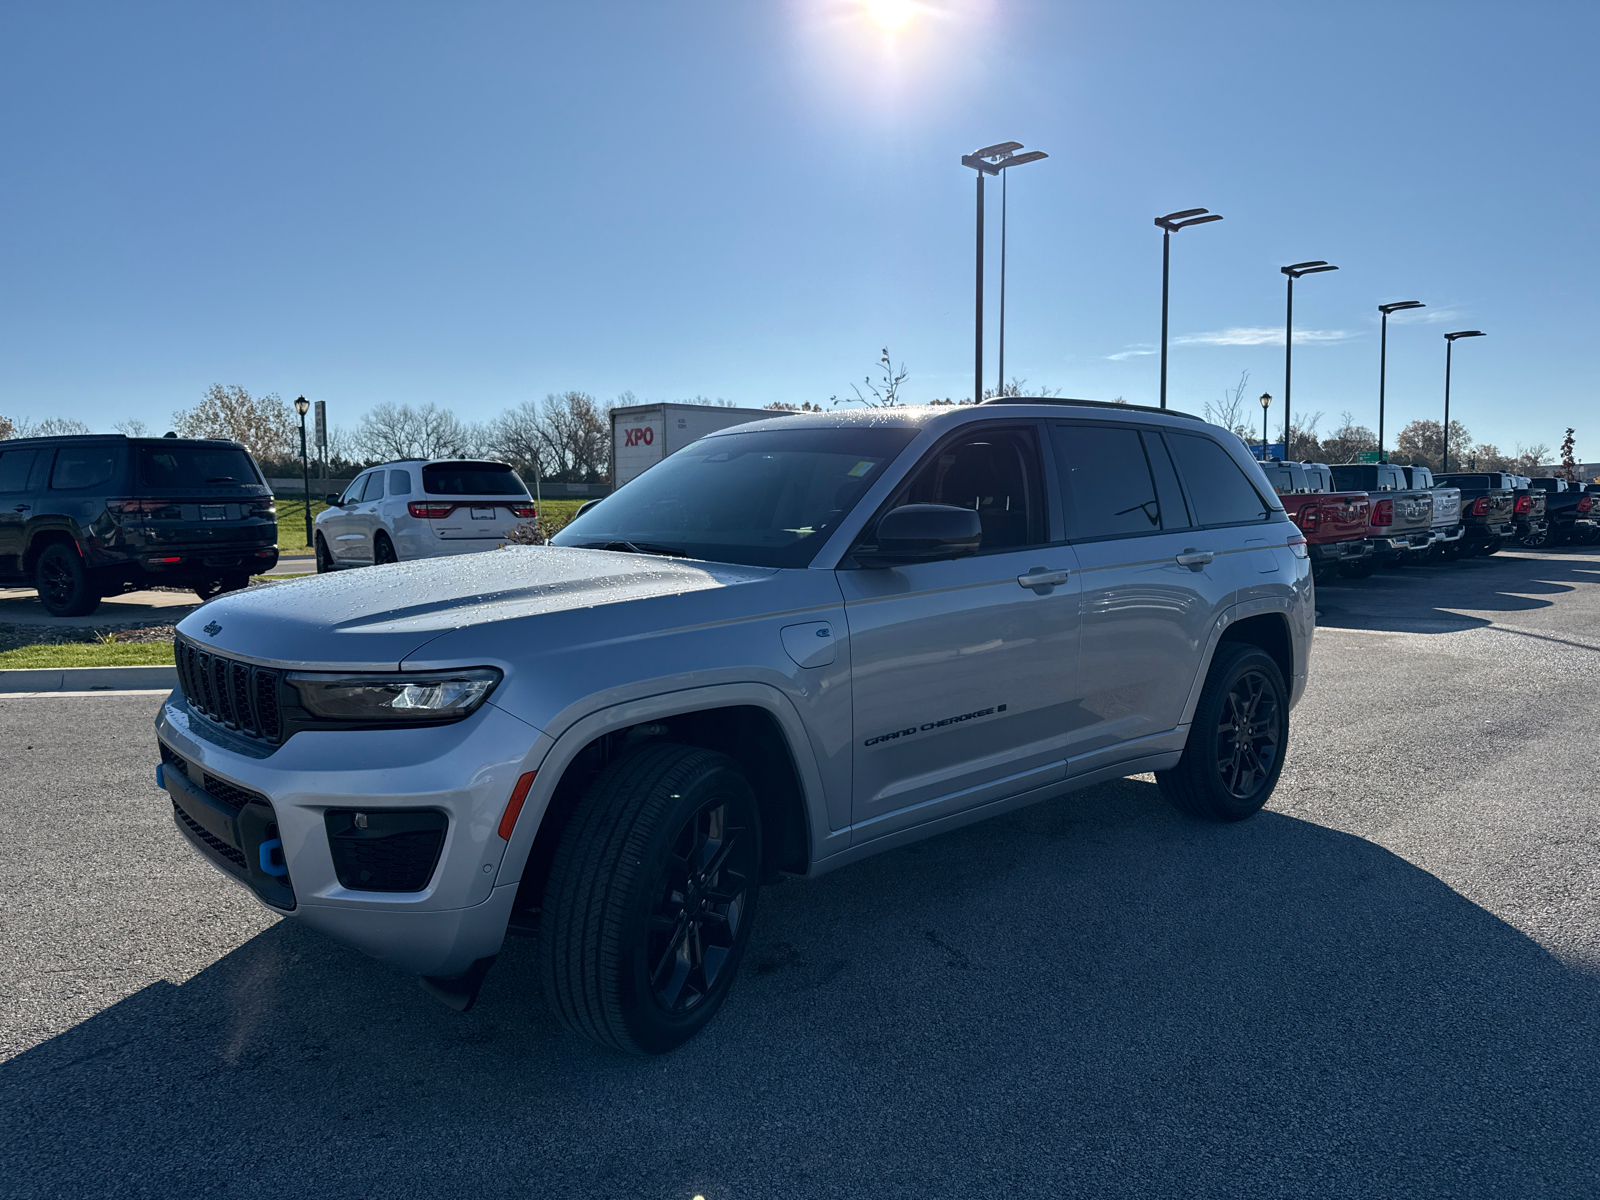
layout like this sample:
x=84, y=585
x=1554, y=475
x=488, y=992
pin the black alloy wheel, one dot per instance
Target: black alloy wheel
x=1536, y=539
x=63, y=584
x=1237, y=740
x=698, y=909
x=648, y=905
x=383, y=550
x=324, y=559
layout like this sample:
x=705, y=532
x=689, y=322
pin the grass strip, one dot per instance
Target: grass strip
x=87, y=654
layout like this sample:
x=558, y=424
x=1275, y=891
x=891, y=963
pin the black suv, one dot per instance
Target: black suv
x=92, y=516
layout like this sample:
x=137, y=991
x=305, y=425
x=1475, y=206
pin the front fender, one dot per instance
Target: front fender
x=551, y=755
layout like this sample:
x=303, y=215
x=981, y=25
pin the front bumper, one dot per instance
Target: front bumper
x=466, y=770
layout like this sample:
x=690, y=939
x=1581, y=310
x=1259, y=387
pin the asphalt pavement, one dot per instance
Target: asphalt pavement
x=1386, y=985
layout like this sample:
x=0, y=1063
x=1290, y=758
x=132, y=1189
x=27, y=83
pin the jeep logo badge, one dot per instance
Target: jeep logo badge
x=212, y=629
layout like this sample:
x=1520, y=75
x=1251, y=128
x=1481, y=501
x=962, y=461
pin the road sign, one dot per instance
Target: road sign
x=1274, y=449
x=1370, y=456
x=322, y=425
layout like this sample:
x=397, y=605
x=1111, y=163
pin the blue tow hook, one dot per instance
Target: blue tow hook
x=267, y=865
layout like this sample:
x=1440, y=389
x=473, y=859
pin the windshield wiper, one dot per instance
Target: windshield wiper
x=637, y=548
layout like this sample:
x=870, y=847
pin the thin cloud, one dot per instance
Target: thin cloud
x=1137, y=352
x=1426, y=316
x=1259, y=336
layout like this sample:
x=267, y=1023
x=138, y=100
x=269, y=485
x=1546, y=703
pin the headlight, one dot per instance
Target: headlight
x=398, y=698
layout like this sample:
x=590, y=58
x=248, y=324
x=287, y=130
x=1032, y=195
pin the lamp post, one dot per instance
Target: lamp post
x=1449, y=345
x=991, y=160
x=1383, y=357
x=303, y=406
x=1170, y=224
x=1266, y=403
x=1293, y=271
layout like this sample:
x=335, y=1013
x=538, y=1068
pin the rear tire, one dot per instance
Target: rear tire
x=1236, y=744
x=650, y=898
x=63, y=584
x=324, y=559
x=1537, y=541
x=1486, y=548
x=383, y=550
x=1358, y=570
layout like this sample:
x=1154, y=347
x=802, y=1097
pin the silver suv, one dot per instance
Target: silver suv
x=787, y=647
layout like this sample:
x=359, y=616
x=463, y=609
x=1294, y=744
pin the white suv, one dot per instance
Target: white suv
x=420, y=509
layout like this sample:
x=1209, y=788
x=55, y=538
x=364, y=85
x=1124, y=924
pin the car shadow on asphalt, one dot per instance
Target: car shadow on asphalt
x=1428, y=599
x=1091, y=997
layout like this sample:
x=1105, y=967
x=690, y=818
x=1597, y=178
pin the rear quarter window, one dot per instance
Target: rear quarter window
x=399, y=483
x=83, y=467
x=1219, y=491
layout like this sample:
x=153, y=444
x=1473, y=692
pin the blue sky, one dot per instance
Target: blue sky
x=474, y=204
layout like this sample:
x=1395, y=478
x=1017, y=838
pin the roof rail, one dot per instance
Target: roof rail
x=1114, y=404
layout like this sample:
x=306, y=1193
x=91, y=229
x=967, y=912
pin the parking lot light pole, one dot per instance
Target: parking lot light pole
x=1008, y=160
x=1449, y=345
x=1170, y=224
x=1266, y=403
x=1293, y=271
x=303, y=406
x=1383, y=357
x=980, y=161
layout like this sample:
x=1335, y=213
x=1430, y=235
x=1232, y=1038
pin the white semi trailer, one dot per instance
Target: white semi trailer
x=643, y=434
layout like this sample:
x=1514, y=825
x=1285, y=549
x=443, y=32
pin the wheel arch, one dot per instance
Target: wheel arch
x=42, y=540
x=1261, y=623
x=754, y=724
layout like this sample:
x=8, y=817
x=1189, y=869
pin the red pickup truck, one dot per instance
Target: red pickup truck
x=1336, y=524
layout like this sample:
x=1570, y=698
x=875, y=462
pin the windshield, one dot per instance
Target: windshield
x=472, y=479
x=763, y=499
x=194, y=466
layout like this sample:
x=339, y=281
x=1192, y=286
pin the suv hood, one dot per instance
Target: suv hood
x=371, y=618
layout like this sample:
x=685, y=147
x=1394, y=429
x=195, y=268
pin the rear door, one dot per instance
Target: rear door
x=962, y=673
x=1151, y=583
x=16, y=503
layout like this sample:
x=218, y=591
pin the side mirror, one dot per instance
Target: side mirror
x=333, y=499
x=916, y=533
x=583, y=508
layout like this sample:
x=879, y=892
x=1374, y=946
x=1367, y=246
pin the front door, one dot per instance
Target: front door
x=963, y=675
x=336, y=527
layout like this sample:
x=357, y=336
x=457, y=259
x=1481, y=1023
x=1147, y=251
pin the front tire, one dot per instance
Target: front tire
x=1236, y=744
x=648, y=907
x=63, y=584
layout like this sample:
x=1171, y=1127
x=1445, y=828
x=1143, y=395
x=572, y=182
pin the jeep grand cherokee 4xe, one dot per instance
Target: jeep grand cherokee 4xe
x=785, y=648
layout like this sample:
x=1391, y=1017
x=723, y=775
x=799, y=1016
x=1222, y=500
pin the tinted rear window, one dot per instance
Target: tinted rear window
x=472, y=479
x=1219, y=492
x=83, y=466
x=194, y=466
x=14, y=466
x=1107, y=484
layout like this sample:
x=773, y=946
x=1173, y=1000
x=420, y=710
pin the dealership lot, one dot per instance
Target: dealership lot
x=1386, y=984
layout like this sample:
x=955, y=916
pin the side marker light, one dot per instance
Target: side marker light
x=514, y=806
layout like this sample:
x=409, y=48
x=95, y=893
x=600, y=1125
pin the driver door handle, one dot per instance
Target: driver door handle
x=1039, y=577
x=1194, y=559
x=23, y=507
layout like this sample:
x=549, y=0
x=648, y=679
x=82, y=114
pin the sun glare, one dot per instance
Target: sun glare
x=891, y=14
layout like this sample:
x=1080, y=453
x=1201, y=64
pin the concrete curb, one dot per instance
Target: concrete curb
x=89, y=679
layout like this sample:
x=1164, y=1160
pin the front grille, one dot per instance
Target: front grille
x=216, y=843
x=232, y=693
x=385, y=851
x=230, y=793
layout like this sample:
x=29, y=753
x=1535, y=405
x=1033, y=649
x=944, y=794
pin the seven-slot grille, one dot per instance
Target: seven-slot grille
x=230, y=692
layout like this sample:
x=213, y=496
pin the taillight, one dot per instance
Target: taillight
x=525, y=511
x=1524, y=504
x=1308, y=518
x=430, y=510
x=1383, y=512
x=131, y=507
x=1297, y=544
x=262, y=508
x=1585, y=504
x=1480, y=506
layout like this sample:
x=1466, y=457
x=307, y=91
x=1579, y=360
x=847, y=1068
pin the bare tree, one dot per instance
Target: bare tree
x=132, y=427
x=391, y=431
x=1530, y=458
x=264, y=425
x=886, y=391
x=1301, y=444
x=1229, y=413
x=49, y=427
x=8, y=428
